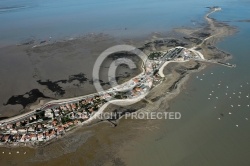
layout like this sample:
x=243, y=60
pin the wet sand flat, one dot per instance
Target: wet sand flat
x=59, y=70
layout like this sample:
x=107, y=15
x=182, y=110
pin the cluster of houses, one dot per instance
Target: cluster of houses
x=51, y=123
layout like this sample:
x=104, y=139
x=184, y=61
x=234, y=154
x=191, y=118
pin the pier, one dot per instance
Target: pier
x=218, y=62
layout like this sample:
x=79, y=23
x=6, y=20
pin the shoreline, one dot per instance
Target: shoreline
x=181, y=81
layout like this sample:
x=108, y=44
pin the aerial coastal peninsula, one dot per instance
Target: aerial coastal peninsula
x=192, y=51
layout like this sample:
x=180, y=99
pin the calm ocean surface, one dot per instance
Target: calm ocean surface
x=24, y=19
x=207, y=133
